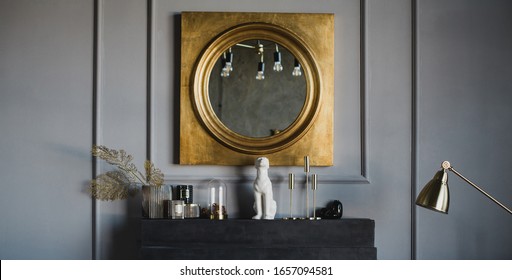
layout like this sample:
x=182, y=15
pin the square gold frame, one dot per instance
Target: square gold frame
x=204, y=33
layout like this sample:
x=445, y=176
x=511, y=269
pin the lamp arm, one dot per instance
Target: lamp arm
x=479, y=189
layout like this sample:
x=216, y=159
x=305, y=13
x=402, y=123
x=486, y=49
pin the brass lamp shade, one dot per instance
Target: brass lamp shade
x=435, y=195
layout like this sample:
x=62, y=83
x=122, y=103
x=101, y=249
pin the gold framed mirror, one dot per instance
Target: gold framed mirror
x=208, y=137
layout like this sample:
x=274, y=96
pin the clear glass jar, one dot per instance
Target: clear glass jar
x=177, y=209
x=217, y=199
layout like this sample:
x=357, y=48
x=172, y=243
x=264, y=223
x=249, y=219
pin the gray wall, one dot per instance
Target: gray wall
x=45, y=129
x=464, y=116
x=416, y=83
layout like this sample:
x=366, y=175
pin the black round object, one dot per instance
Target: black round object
x=334, y=210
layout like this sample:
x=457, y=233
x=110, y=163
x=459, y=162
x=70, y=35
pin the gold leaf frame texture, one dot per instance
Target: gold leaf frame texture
x=205, y=36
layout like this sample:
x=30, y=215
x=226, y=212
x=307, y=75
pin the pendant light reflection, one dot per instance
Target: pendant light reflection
x=227, y=61
x=227, y=67
x=278, y=67
x=261, y=65
x=261, y=70
x=296, y=69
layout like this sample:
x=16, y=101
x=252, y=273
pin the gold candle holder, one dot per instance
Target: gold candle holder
x=314, y=186
x=291, y=186
x=306, y=170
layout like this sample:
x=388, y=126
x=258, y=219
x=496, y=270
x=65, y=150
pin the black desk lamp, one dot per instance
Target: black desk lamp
x=435, y=194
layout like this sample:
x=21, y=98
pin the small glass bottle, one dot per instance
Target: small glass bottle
x=217, y=199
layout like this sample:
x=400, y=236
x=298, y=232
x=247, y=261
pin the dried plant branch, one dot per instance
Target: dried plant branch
x=120, y=159
x=122, y=183
x=154, y=176
x=111, y=186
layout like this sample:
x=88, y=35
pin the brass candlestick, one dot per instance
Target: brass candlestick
x=291, y=186
x=314, y=186
x=306, y=170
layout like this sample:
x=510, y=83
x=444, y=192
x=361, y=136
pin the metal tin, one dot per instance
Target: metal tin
x=192, y=211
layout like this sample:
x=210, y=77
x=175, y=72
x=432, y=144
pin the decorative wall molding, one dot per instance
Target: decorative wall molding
x=150, y=50
x=96, y=94
x=324, y=179
x=361, y=178
x=414, y=121
x=364, y=176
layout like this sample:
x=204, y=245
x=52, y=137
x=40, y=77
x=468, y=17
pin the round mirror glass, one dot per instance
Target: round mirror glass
x=266, y=122
x=257, y=88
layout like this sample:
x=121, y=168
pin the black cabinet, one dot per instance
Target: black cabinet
x=258, y=239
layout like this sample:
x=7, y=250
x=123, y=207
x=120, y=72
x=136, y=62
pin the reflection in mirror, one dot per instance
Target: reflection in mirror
x=257, y=89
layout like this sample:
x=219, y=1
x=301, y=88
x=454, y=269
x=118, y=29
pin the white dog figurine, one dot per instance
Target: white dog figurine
x=264, y=204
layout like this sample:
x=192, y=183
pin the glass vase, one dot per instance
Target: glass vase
x=152, y=201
